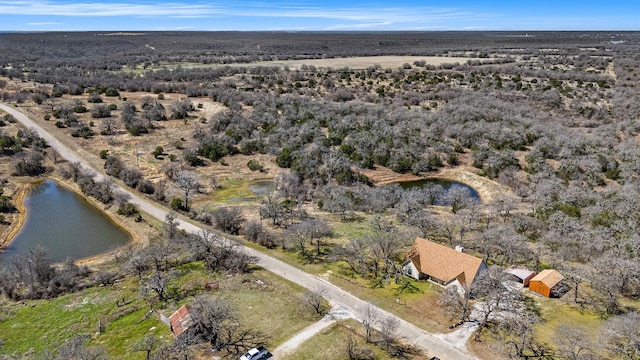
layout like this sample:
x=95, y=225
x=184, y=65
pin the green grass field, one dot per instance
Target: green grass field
x=44, y=324
x=274, y=308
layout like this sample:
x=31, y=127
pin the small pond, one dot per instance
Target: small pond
x=65, y=224
x=444, y=185
x=261, y=187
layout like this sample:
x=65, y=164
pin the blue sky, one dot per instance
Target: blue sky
x=313, y=15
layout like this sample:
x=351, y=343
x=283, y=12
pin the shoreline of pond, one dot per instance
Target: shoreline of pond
x=487, y=189
x=23, y=193
x=14, y=229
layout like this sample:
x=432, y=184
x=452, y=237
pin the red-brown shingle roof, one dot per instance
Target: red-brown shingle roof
x=444, y=263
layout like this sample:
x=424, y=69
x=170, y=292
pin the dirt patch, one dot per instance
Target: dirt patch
x=365, y=61
x=484, y=350
x=358, y=62
x=428, y=307
x=385, y=176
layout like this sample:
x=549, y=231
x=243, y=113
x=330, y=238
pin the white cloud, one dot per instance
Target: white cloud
x=361, y=26
x=43, y=23
x=49, y=8
x=392, y=14
x=198, y=10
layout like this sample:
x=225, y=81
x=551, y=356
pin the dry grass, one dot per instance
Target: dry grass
x=358, y=62
x=332, y=344
x=484, y=350
x=420, y=309
x=559, y=312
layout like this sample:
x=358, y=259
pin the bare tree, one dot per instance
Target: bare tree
x=575, y=275
x=229, y=219
x=108, y=126
x=516, y=335
x=210, y=315
x=306, y=231
x=622, y=336
x=388, y=328
x=315, y=300
x=459, y=307
x=355, y=352
x=159, y=283
x=458, y=198
x=77, y=349
x=218, y=252
x=138, y=263
x=497, y=302
x=605, y=279
x=100, y=111
x=355, y=254
x=148, y=344
x=170, y=226
x=272, y=207
x=574, y=342
x=423, y=220
x=54, y=155
x=384, y=244
x=159, y=253
x=369, y=319
x=216, y=323
x=447, y=226
x=338, y=202
x=203, y=244
x=188, y=182
x=504, y=204
x=255, y=232
x=180, y=108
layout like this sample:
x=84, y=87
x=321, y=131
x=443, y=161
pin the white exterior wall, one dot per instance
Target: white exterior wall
x=410, y=270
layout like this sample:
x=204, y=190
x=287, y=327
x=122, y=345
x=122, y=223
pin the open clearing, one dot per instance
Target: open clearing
x=364, y=61
x=360, y=62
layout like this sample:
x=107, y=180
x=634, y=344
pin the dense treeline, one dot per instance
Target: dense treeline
x=95, y=50
x=86, y=60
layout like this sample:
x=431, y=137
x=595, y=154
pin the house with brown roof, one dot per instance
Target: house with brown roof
x=181, y=320
x=443, y=265
x=545, y=281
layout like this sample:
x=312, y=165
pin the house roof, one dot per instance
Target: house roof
x=548, y=277
x=521, y=273
x=181, y=320
x=443, y=263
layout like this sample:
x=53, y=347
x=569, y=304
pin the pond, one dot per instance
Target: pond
x=65, y=224
x=441, y=184
x=261, y=187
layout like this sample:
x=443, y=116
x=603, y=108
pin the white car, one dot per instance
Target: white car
x=256, y=353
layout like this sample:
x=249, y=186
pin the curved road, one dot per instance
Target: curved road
x=432, y=344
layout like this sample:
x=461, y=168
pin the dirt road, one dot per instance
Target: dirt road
x=432, y=344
